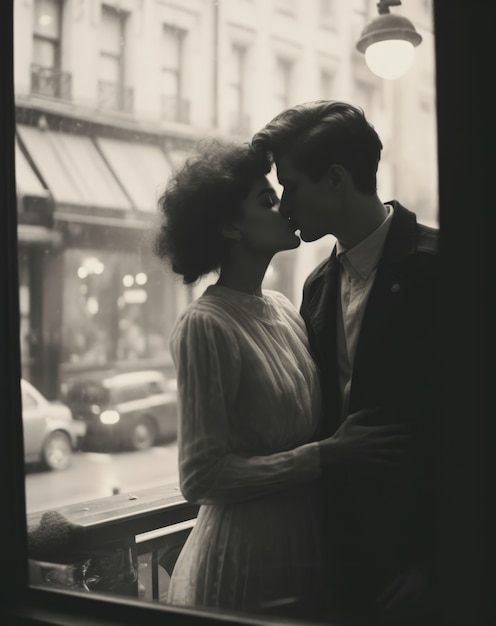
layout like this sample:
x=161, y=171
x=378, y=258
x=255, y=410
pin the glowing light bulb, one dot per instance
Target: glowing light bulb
x=128, y=280
x=390, y=59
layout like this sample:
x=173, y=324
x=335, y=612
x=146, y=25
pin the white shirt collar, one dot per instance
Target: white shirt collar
x=361, y=260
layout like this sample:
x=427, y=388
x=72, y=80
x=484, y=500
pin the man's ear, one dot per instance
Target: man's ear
x=230, y=230
x=337, y=175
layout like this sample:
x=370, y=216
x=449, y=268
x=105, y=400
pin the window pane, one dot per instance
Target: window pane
x=44, y=53
x=326, y=7
x=171, y=47
x=47, y=18
x=109, y=68
x=237, y=63
x=283, y=82
x=148, y=79
x=111, y=31
x=170, y=83
x=327, y=84
x=89, y=314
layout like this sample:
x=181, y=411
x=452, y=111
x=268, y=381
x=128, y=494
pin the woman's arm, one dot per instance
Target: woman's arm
x=208, y=367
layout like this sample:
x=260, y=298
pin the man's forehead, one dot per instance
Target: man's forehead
x=284, y=167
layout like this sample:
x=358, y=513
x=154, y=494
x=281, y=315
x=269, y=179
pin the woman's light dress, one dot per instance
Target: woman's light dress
x=249, y=403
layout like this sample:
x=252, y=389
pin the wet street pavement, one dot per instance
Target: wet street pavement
x=98, y=475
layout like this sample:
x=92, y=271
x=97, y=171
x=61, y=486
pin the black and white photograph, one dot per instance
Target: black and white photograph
x=245, y=302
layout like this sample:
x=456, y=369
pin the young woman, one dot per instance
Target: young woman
x=249, y=397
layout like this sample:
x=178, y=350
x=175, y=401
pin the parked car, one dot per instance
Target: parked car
x=132, y=410
x=50, y=432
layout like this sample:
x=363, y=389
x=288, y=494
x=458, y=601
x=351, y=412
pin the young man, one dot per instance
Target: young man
x=371, y=313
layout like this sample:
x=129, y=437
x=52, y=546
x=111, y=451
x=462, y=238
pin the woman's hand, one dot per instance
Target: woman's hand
x=357, y=441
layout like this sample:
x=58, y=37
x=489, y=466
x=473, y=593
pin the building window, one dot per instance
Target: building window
x=365, y=95
x=112, y=308
x=327, y=84
x=288, y=7
x=362, y=7
x=175, y=107
x=92, y=299
x=284, y=76
x=112, y=89
x=327, y=8
x=239, y=121
x=47, y=79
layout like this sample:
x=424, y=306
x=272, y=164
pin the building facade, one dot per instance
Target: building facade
x=112, y=96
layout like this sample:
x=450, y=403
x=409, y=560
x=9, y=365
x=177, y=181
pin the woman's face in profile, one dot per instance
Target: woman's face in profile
x=262, y=227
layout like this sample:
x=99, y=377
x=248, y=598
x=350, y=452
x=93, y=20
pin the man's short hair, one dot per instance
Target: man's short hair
x=318, y=134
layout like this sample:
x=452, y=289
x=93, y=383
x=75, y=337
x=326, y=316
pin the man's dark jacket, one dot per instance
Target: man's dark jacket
x=381, y=520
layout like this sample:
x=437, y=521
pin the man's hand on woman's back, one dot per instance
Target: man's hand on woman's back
x=357, y=441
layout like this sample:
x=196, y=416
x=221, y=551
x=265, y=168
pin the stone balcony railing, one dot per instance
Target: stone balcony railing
x=115, y=97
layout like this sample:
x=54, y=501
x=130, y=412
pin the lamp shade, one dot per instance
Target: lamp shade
x=388, y=42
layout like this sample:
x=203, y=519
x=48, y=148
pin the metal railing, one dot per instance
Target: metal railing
x=157, y=554
x=125, y=545
x=174, y=109
x=115, y=96
x=47, y=81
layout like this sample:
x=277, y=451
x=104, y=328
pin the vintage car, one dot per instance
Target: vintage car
x=50, y=432
x=132, y=410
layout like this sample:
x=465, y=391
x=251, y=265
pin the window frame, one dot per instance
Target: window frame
x=58, y=81
x=123, y=91
x=238, y=85
x=56, y=42
x=464, y=218
x=285, y=75
x=180, y=110
x=118, y=58
x=327, y=81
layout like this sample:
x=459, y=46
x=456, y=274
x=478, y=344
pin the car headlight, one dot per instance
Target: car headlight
x=109, y=417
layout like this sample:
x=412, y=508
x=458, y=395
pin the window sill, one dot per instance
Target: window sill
x=40, y=607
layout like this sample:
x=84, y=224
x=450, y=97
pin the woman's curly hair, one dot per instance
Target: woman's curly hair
x=203, y=195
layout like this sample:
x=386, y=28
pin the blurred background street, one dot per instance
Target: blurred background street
x=97, y=475
x=111, y=97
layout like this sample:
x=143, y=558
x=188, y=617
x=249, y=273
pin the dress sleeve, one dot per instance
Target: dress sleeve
x=208, y=366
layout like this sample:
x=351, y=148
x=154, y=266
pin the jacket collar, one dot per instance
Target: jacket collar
x=401, y=241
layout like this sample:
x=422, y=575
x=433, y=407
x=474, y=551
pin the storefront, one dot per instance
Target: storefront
x=92, y=294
